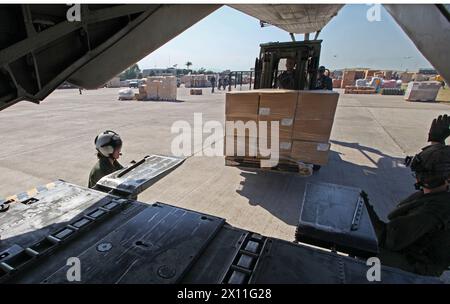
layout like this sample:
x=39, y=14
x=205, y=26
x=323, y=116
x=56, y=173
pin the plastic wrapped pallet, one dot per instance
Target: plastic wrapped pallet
x=361, y=82
x=422, y=91
x=389, y=84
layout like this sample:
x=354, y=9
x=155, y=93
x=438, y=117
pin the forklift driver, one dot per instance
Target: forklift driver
x=286, y=80
x=417, y=236
x=108, y=145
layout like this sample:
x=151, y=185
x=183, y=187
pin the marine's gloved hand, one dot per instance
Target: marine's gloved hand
x=440, y=129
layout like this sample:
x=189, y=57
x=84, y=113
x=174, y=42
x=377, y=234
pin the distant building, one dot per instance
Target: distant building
x=163, y=72
x=159, y=72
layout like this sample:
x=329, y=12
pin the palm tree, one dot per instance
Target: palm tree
x=188, y=64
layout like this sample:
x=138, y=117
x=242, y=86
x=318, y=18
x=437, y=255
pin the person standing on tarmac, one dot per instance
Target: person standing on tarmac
x=417, y=236
x=324, y=82
x=108, y=145
x=213, y=83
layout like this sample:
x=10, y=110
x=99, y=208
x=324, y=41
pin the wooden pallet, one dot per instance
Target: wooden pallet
x=255, y=163
x=196, y=92
x=359, y=90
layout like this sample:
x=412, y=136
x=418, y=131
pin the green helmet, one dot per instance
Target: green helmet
x=431, y=167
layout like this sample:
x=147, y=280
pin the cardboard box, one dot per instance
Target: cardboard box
x=240, y=146
x=310, y=152
x=285, y=127
x=337, y=83
x=245, y=146
x=250, y=123
x=140, y=96
x=242, y=104
x=349, y=75
x=277, y=104
x=370, y=73
x=312, y=130
x=317, y=104
x=280, y=106
x=143, y=89
x=348, y=78
x=284, y=148
x=168, y=88
x=315, y=115
x=153, y=89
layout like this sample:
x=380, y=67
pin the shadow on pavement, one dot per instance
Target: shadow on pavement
x=386, y=180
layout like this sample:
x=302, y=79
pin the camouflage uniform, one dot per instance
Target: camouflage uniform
x=324, y=83
x=417, y=236
x=286, y=80
x=102, y=168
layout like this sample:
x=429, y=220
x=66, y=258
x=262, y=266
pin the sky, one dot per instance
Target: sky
x=230, y=39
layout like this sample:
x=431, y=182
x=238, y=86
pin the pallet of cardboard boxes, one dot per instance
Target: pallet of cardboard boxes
x=337, y=83
x=195, y=81
x=305, y=120
x=158, y=88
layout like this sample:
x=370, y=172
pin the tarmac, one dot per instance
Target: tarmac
x=55, y=140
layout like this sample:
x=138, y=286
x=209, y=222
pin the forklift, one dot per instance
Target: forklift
x=269, y=65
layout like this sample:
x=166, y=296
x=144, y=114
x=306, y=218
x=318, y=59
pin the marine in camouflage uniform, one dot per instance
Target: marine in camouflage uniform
x=323, y=82
x=103, y=167
x=417, y=236
x=108, y=145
